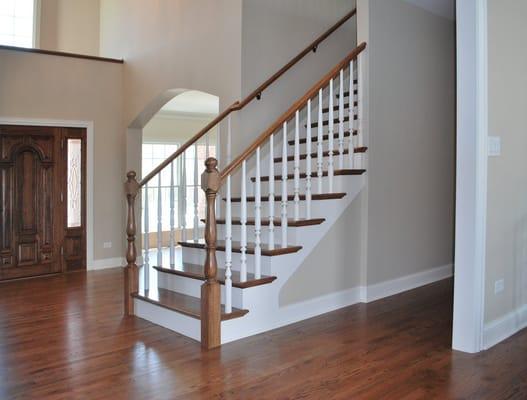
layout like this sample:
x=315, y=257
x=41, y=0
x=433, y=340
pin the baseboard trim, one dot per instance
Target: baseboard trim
x=106, y=263
x=389, y=288
x=500, y=329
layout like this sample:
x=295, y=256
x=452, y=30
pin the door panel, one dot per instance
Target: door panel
x=33, y=234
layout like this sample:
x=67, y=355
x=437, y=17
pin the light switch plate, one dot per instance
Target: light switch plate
x=499, y=286
x=107, y=245
x=494, y=146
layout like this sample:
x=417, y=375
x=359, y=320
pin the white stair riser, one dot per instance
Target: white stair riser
x=192, y=287
x=325, y=162
x=293, y=234
x=197, y=257
x=338, y=185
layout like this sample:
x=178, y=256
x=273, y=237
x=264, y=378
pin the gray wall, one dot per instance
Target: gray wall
x=273, y=31
x=411, y=140
x=403, y=221
x=507, y=174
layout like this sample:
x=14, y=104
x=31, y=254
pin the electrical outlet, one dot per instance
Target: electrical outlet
x=499, y=286
x=107, y=245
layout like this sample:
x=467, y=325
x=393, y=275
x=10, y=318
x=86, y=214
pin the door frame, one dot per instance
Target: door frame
x=88, y=125
x=471, y=176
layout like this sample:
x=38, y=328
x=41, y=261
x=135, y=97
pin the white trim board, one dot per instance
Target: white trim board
x=504, y=327
x=405, y=283
x=88, y=125
x=471, y=176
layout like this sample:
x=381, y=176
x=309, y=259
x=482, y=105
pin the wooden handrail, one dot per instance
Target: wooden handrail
x=253, y=95
x=291, y=112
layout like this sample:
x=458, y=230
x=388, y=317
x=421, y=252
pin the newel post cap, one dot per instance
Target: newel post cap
x=210, y=179
x=131, y=185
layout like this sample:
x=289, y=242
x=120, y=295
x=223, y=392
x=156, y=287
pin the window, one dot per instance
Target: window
x=18, y=22
x=153, y=155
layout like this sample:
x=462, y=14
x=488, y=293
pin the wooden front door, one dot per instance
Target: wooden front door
x=42, y=206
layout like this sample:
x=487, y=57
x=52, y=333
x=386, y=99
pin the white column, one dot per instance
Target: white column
x=228, y=249
x=182, y=197
x=196, y=194
x=296, y=199
x=320, y=148
x=331, y=169
x=308, y=161
x=341, y=119
x=258, y=220
x=159, y=222
x=146, y=241
x=243, y=228
x=351, y=110
x=284, y=187
x=271, y=193
x=172, y=217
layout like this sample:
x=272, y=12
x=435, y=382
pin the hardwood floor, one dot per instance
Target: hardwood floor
x=64, y=337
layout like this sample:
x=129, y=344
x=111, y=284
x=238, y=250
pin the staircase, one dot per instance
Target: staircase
x=266, y=210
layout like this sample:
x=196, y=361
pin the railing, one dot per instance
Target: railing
x=211, y=181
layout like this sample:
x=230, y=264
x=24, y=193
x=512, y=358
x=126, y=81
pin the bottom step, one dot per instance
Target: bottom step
x=181, y=303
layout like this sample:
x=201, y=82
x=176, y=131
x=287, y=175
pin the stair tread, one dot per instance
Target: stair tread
x=196, y=272
x=278, y=222
x=236, y=247
x=325, y=154
x=291, y=197
x=336, y=108
x=324, y=137
x=335, y=121
x=337, y=172
x=182, y=303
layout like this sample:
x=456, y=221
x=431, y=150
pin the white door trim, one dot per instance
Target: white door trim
x=88, y=125
x=471, y=179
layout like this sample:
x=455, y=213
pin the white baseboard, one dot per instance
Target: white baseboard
x=503, y=328
x=405, y=283
x=106, y=263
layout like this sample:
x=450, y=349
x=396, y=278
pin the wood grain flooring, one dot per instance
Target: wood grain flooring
x=64, y=337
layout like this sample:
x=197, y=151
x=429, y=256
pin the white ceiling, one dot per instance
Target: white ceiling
x=444, y=8
x=193, y=102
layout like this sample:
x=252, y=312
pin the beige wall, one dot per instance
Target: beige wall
x=50, y=87
x=175, y=129
x=70, y=26
x=273, y=31
x=411, y=140
x=402, y=223
x=173, y=44
x=507, y=174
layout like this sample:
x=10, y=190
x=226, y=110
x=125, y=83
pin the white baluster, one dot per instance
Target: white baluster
x=196, y=194
x=308, y=161
x=146, y=245
x=159, y=223
x=172, y=217
x=229, y=140
x=228, y=249
x=341, y=119
x=220, y=165
x=258, y=220
x=351, y=110
x=243, y=221
x=271, y=193
x=331, y=133
x=296, y=168
x=360, y=110
x=182, y=197
x=320, y=148
x=207, y=152
x=284, y=188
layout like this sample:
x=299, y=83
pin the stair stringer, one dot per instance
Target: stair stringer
x=265, y=312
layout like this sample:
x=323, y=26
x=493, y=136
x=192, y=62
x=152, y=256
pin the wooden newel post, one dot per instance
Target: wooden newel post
x=210, y=290
x=131, y=277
